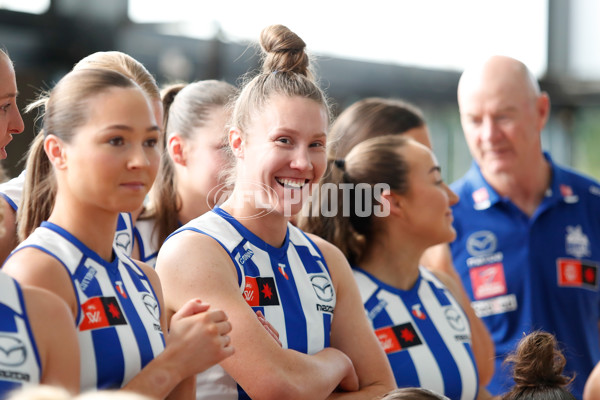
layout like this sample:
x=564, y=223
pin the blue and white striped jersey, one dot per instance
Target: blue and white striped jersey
x=291, y=285
x=424, y=332
x=147, y=240
x=118, y=322
x=12, y=192
x=19, y=357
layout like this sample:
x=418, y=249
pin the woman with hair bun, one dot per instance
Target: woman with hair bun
x=538, y=366
x=245, y=256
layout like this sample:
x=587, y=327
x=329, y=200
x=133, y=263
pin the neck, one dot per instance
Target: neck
x=192, y=206
x=92, y=226
x=393, y=261
x=527, y=188
x=271, y=227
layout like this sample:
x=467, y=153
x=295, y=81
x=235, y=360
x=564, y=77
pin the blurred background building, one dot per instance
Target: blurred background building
x=407, y=49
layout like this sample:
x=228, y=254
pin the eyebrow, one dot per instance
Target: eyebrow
x=9, y=95
x=435, y=168
x=129, y=128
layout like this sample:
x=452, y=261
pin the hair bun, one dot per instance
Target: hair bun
x=284, y=51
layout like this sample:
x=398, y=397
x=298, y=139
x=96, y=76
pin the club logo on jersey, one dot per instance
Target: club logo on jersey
x=455, y=320
x=282, y=271
x=151, y=305
x=120, y=289
x=481, y=199
x=12, y=351
x=567, y=193
x=397, y=338
x=101, y=312
x=577, y=273
x=482, y=243
x=577, y=243
x=260, y=292
x=322, y=287
x=488, y=281
x=416, y=311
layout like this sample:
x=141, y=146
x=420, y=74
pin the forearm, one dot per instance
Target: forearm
x=367, y=392
x=157, y=379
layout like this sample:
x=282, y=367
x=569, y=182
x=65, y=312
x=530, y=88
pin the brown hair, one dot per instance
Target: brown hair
x=66, y=109
x=186, y=108
x=285, y=71
x=538, y=365
x=365, y=119
x=371, y=162
x=109, y=60
x=412, y=393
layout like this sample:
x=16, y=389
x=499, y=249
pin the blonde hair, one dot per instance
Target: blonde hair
x=285, y=71
x=47, y=392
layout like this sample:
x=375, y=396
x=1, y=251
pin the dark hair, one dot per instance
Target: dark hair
x=186, y=107
x=412, y=393
x=285, y=71
x=367, y=118
x=65, y=110
x=371, y=162
x=538, y=365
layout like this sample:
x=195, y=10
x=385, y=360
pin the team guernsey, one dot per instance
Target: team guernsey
x=424, y=332
x=118, y=320
x=291, y=285
x=12, y=192
x=147, y=240
x=540, y=272
x=19, y=357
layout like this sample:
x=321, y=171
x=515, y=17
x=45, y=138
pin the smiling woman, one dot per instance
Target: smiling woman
x=258, y=261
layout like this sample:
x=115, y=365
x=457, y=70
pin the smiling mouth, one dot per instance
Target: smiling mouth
x=292, y=183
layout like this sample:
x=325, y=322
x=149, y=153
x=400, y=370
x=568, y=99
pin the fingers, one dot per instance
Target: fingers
x=269, y=328
x=192, y=307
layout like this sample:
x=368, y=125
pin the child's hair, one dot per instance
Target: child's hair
x=285, y=72
x=412, y=393
x=538, y=367
x=374, y=161
x=47, y=392
x=65, y=110
x=186, y=107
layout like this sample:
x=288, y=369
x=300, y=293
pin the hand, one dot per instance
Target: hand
x=270, y=328
x=199, y=337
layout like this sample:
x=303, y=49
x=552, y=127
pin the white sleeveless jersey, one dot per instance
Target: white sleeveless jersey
x=424, y=332
x=291, y=285
x=147, y=240
x=12, y=192
x=118, y=323
x=19, y=358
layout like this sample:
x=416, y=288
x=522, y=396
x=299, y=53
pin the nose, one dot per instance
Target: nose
x=139, y=157
x=452, y=197
x=16, y=122
x=489, y=129
x=301, y=160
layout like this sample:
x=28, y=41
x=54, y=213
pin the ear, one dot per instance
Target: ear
x=176, y=149
x=236, y=141
x=543, y=109
x=56, y=152
x=394, y=202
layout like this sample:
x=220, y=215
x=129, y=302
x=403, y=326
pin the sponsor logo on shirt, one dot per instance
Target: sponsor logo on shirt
x=577, y=273
x=481, y=199
x=260, y=291
x=121, y=289
x=151, y=305
x=123, y=240
x=377, y=309
x=246, y=256
x=595, y=190
x=89, y=275
x=488, y=281
x=482, y=243
x=398, y=338
x=576, y=242
x=455, y=320
x=12, y=351
x=282, y=271
x=322, y=287
x=567, y=193
x=101, y=312
x=497, y=305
